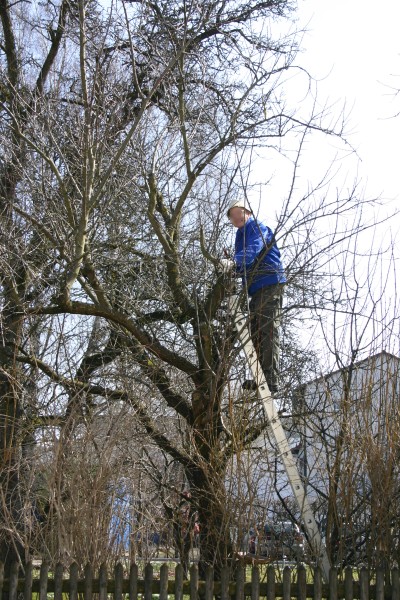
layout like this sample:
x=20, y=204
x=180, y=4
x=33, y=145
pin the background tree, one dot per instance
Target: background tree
x=348, y=415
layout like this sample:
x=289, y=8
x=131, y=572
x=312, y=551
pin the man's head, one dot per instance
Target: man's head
x=238, y=212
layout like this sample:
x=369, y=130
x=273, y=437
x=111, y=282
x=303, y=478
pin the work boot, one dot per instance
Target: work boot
x=250, y=385
x=273, y=387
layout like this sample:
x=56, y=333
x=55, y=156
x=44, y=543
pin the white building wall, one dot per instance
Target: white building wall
x=336, y=417
x=342, y=414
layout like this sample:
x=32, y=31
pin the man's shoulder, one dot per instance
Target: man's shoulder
x=256, y=225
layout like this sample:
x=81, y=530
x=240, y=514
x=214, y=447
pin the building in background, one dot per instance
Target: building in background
x=348, y=428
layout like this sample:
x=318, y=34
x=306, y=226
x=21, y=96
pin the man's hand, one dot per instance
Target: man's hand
x=226, y=265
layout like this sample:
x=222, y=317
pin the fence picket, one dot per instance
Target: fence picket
x=148, y=582
x=58, y=581
x=395, y=584
x=301, y=582
x=88, y=583
x=13, y=583
x=317, y=583
x=240, y=574
x=270, y=582
x=194, y=582
x=255, y=583
x=44, y=572
x=73, y=581
x=348, y=584
x=225, y=583
x=164, y=582
x=28, y=581
x=380, y=584
x=119, y=577
x=103, y=582
x=333, y=584
x=364, y=583
x=133, y=582
x=209, y=583
x=178, y=582
x=286, y=581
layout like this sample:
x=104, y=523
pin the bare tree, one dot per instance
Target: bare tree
x=125, y=135
x=347, y=418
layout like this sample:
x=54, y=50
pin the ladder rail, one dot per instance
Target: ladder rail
x=280, y=439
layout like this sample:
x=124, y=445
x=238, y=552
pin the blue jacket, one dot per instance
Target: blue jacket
x=251, y=240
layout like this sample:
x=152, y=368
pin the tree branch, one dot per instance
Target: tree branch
x=82, y=308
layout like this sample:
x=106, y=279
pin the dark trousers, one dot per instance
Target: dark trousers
x=265, y=317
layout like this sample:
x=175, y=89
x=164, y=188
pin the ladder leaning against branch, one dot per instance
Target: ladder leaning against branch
x=279, y=438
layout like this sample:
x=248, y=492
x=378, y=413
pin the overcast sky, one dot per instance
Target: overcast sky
x=353, y=48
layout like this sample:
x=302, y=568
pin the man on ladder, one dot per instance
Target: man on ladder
x=257, y=259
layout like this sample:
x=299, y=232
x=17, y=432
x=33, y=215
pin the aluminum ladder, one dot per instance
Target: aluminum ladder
x=279, y=438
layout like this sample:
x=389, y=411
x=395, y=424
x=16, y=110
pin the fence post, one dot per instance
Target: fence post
x=301, y=582
x=163, y=582
x=364, y=584
x=148, y=582
x=58, y=581
x=286, y=583
x=88, y=587
x=225, y=583
x=317, y=583
x=73, y=581
x=209, y=590
x=133, y=577
x=118, y=576
x=333, y=583
x=194, y=582
x=28, y=581
x=395, y=584
x=103, y=582
x=255, y=583
x=240, y=571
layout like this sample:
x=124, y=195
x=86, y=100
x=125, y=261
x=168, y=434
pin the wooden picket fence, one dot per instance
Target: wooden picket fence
x=244, y=583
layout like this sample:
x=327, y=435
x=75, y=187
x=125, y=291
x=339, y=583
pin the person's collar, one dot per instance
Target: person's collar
x=248, y=221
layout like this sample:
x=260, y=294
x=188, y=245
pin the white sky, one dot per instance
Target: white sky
x=354, y=46
x=352, y=49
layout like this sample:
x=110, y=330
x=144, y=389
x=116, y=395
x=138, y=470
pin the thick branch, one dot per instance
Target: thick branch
x=9, y=44
x=82, y=308
x=118, y=395
x=168, y=241
x=159, y=378
x=56, y=38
